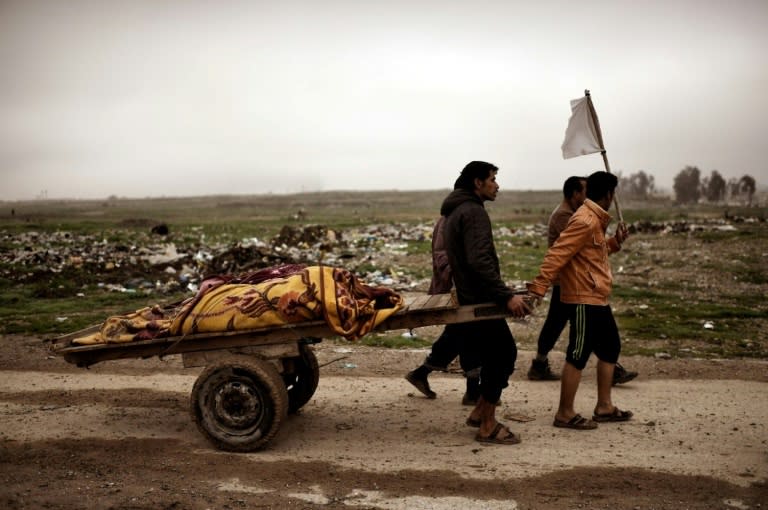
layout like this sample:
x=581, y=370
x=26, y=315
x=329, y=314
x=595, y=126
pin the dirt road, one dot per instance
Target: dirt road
x=119, y=436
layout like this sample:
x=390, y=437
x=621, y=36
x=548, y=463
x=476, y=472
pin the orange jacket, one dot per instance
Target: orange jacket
x=580, y=258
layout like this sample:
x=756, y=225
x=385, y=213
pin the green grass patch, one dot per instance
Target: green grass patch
x=23, y=313
x=697, y=328
x=420, y=247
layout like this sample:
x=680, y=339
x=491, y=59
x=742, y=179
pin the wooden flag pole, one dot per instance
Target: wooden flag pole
x=599, y=134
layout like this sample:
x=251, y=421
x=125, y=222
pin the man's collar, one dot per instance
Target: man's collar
x=595, y=207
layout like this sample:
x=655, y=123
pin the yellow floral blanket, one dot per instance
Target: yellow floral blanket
x=350, y=307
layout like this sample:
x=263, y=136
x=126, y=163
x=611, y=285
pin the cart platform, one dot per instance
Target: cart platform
x=419, y=311
x=254, y=378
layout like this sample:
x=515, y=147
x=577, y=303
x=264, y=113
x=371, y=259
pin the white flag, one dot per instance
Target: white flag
x=582, y=135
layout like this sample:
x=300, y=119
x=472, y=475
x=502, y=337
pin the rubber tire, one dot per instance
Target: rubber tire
x=303, y=380
x=238, y=403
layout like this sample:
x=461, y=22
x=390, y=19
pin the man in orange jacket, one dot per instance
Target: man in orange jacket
x=574, y=194
x=580, y=257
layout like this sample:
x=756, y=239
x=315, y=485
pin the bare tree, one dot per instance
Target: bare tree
x=637, y=185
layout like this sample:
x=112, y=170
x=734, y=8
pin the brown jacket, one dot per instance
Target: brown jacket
x=580, y=257
x=558, y=220
x=442, y=279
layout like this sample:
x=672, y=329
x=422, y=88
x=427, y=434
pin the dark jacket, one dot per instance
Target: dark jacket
x=471, y=252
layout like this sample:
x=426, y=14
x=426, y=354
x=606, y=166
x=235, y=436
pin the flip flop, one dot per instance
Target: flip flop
x=473, y=423
x=494, y=438
x=615, y=415
x=578, y=422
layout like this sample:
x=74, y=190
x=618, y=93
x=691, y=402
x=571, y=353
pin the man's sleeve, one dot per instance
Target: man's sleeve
x=567, y=245
x=478, y=243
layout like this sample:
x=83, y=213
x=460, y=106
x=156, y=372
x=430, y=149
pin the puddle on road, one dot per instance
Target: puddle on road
x=375, y=499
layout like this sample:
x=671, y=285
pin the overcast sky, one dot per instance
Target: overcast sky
x=141, y=98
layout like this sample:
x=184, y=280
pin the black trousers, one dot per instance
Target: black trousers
x=447, y=347
x=557, y=317
x=490, y=343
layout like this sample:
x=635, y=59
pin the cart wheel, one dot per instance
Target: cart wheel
x=302, y=381
x=239, y=402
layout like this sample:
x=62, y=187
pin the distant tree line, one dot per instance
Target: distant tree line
x=691, y=187
x=638, y=185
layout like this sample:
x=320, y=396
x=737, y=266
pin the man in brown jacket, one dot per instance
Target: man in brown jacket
x=580, y=257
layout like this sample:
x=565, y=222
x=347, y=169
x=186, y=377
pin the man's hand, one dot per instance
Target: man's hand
x=517, y=306
x=621, y=233
x=532, y=300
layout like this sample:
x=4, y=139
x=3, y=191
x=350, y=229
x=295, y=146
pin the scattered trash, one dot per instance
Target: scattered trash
x=409, y=334
x=709, y=325
x=522, y=418
x=662, y=355
x=169, y=254
x=683, y=227
x=161, y=229
x=736, y=503
x=332, y=361
x=349, y=365
x=62, y=319
x=183, y=259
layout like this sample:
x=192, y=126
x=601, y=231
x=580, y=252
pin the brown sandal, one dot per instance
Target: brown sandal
x=578, y=422
x=615, y=415
x=510, y=438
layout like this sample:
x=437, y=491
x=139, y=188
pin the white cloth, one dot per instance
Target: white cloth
x=582, y=135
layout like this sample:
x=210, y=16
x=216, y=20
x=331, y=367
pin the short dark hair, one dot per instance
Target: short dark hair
x=474, y=170
x=599, y=184
x=572, y=185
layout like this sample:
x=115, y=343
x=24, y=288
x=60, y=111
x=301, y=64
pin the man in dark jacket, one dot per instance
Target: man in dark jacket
x=477, y=277
x=448, y=345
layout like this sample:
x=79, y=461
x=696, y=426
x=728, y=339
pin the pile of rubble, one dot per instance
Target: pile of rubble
x=155, y=261
x=682, y=226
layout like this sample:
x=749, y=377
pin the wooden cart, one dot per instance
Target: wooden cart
x=254, y=378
